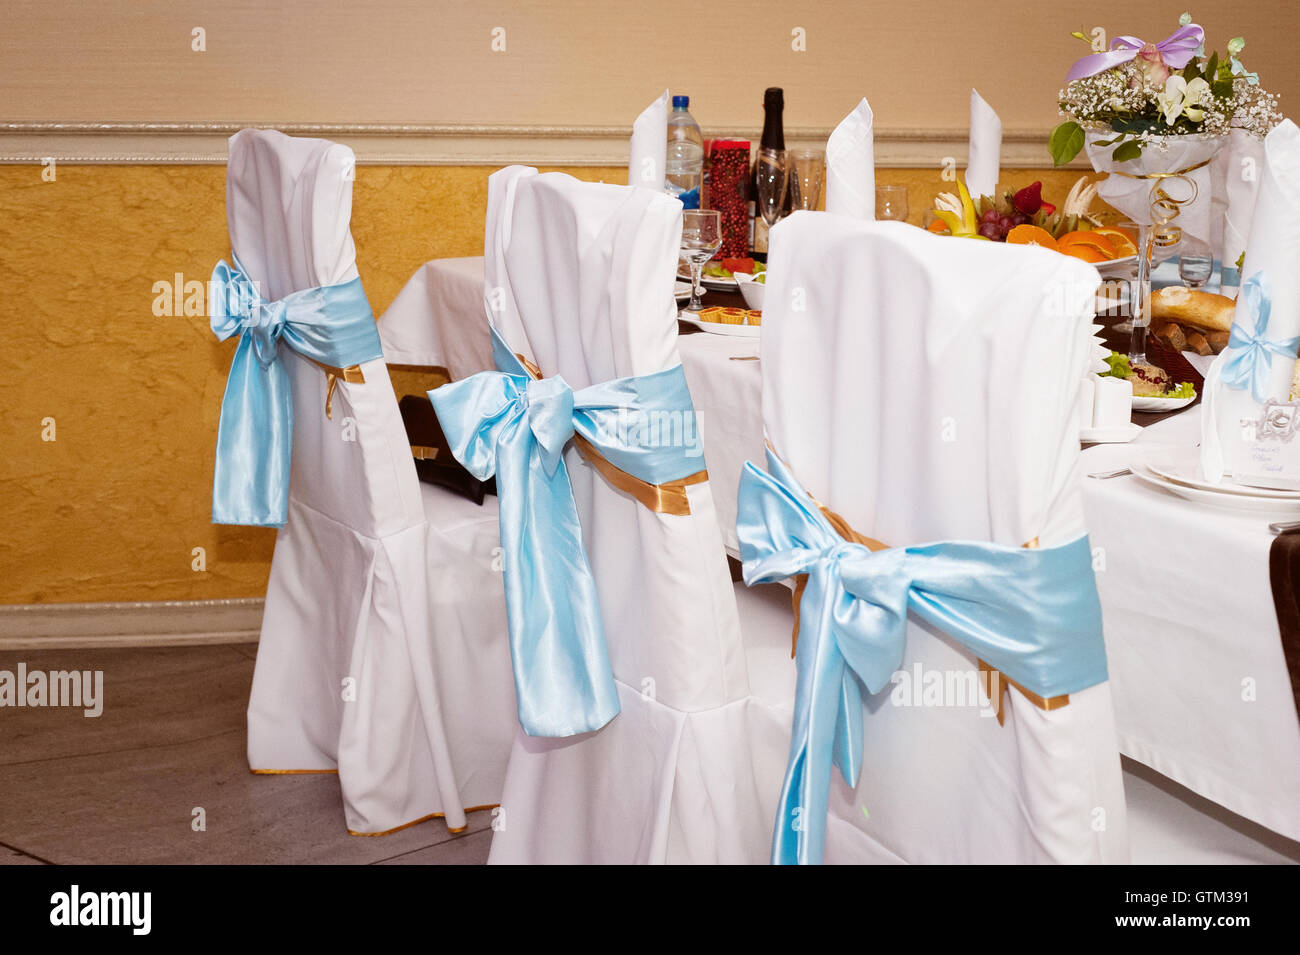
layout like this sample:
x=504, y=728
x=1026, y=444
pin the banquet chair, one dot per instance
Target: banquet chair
x=344, y=680
x=924, y=389
x=585, y=274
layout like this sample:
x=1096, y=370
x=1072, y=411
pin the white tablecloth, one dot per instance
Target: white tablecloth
x=1196, y=666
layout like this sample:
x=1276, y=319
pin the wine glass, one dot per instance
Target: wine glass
x=701, y=238
x=773, y=174
x=891, y=203
x=1195, y=262
x=806, y=170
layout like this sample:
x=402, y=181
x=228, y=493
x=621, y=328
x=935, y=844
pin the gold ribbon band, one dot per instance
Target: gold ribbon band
x=846, y=531
x=351, y=374
x=667, y=498
x=422, y=453
x=1164, y=175
x=1164, y=207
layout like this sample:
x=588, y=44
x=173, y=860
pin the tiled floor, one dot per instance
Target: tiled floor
x=123, y=787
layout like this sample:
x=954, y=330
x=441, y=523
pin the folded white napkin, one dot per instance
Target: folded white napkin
x=1271, y=250
x=985, y=161
x=1235, y=173
x=851, y=165
x=648, y=156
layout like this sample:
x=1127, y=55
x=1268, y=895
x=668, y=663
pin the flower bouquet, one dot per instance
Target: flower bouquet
x=1152, y=111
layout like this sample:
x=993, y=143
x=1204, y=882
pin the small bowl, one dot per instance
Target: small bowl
x=751, y=290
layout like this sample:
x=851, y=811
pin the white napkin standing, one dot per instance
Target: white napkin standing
x=851, y=165
x=1235, y=172
x=984, y=164
x=648, y=156
x=1272, y=249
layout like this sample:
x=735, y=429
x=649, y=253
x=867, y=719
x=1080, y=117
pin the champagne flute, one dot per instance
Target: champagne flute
x=701, y=238
x=807, y=167
x=773, y=175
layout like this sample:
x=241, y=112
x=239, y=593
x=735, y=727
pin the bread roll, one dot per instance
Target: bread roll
x=1202, y=309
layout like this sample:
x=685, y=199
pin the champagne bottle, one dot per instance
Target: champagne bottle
x=773, y=138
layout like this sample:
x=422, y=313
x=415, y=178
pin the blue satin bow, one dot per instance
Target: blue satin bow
x=1252, y=359
x=508, y=423
x=1033, y=614
x=330, y=324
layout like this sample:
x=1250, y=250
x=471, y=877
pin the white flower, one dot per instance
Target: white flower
x=1195, y=98
x=1171, y=100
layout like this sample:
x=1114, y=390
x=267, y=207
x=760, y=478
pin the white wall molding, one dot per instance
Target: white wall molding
x=169, y=623
x=455, y=145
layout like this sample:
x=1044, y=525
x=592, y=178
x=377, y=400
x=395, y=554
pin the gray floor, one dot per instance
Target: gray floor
x=122, y=788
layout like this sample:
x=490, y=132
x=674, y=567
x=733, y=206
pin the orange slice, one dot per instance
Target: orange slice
x=938, y=226
x=1031, y=235
x=1086, y=252
x=1123, y=241
x=1091, y=240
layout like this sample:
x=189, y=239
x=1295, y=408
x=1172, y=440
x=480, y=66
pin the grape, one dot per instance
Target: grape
x=1006, y=224
x=1022, y=219
x=991, y=216
x=990, y=230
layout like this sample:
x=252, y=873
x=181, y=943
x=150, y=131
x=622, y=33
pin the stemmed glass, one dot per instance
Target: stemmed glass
x=701, y=239
x=806, y=168
x=773, y=175
x=891, y=203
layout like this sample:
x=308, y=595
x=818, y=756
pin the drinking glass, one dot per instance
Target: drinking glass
x=891, y=203
x=701, y=238
x=1195, y=262
x=773, y=174
x=807, y=169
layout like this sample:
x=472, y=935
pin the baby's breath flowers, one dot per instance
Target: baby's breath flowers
x=1144, y=100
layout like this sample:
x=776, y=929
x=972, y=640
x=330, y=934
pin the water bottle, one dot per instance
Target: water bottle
x=685, y=166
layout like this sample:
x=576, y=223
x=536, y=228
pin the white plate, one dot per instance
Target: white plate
x=710, y=282
x=1117, y=266
x=1183, y=466
x=682, y=291
x=718, y=328
x=1246, y=502
x=1110, y=435
x=1149, y=403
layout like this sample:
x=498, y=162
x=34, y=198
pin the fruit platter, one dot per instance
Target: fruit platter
x=1025, y=218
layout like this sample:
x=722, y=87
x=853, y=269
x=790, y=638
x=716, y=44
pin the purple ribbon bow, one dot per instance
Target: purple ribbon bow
x=1175, y=51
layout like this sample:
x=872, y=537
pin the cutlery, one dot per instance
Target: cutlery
x=1284, y=527
x=1107, y=475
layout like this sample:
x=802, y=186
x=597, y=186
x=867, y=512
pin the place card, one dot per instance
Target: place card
x=1264, y=451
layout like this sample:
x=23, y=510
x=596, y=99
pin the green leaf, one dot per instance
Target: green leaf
x=1212, y=67
x=1222, y=89
x=1126, y=151
x=1066, y=142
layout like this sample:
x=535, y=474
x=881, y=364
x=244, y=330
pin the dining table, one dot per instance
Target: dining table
x=1201, y=670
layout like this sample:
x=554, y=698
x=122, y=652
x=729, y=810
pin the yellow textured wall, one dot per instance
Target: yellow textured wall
x=112, y=508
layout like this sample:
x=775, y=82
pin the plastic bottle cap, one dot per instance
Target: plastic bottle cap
x=681, y=102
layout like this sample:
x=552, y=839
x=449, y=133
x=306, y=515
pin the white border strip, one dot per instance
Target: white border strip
x=171, y=623
x=455, y=145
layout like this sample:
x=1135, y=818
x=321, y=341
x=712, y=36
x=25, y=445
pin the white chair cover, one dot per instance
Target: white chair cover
x=588, y=270
x=344, y=677
x=925, y=389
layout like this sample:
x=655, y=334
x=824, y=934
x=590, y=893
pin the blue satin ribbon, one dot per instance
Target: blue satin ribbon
x=1033, y=613
x=330, y=324
x=509, y=424
x=1252, y=360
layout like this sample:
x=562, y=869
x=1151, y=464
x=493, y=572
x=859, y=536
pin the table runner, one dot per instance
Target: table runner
x=1284, y=575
